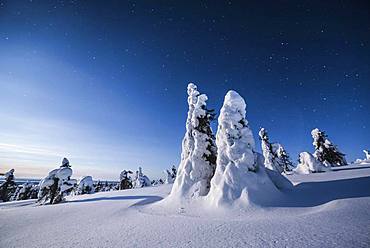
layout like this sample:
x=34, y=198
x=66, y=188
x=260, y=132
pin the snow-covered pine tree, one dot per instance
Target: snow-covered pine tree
x=141, y=180
x=8, y=187
x=367, y=155
x=325, y=151
x=199, y=153
x=236, y=159
x=269, y=151
x=85, y=186
x=23, y=192
x=98, y=186
x=173, y=172
x=284, y=159
x=57, y=184
x=169, y=178
x=125, y=180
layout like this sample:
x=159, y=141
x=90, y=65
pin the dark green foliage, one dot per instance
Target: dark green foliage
x=326, y=151
x=8, y=188
x=125, y=180
x=204, y=126
x=285, y=161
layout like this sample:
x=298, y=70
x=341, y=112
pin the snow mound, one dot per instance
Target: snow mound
x=309, y=164
x=240, y=177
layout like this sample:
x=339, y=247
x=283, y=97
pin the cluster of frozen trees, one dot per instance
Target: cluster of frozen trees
x=325, y=156
x=138, y=181
x=222, y=167
x=365, y=160
x=275, y=156
x=225, y=166
x=57, y=184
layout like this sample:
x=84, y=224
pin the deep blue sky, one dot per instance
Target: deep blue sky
x=104, y=83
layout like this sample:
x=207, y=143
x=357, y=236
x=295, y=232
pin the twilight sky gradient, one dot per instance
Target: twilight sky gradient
x=104, y=83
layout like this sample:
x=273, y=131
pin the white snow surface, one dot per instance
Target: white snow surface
x=330, y=209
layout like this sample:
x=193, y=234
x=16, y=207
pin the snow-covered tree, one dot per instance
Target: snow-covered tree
x=8, y=187
x=57, y=184
x=367, y=154
x=365, y=160
x=85, y=186
x=173, y=172
x=325, y=151
x=269, y=151
x=125, y=180
x=170, y=175
x=98, y=186
x=141, y=180
x=199, y=153
x=23, y=192
x=169, y=178
x=309, y=164
x=284, y=159
x=237, y=167
x=157, y=182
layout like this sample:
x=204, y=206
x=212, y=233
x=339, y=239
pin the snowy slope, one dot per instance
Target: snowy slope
x=329, y=209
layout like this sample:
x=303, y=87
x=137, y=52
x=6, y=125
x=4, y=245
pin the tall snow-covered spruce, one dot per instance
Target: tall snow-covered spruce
x=199, y=153
x=238, y=176
x=326, y=152
x=276, y=158
x=284, y=159
x=269, y=151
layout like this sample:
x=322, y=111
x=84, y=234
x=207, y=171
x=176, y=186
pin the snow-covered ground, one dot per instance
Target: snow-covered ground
x=330, y=209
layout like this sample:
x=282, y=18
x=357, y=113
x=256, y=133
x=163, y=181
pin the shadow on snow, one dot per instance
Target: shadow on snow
x=145, y=199
x=310, y=194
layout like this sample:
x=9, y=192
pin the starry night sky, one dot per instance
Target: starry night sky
x=104, y=82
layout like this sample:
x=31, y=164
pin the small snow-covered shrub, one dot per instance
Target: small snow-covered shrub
x=57, y=184
x=125, y=180
x=8, y=187
x=141, y=180
x=366, y=160
x=169, y=178
x=25, y=191
x=309, y=164
x=85, y=186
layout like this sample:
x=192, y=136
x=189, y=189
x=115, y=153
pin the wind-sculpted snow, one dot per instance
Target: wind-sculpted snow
x=322, y=210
